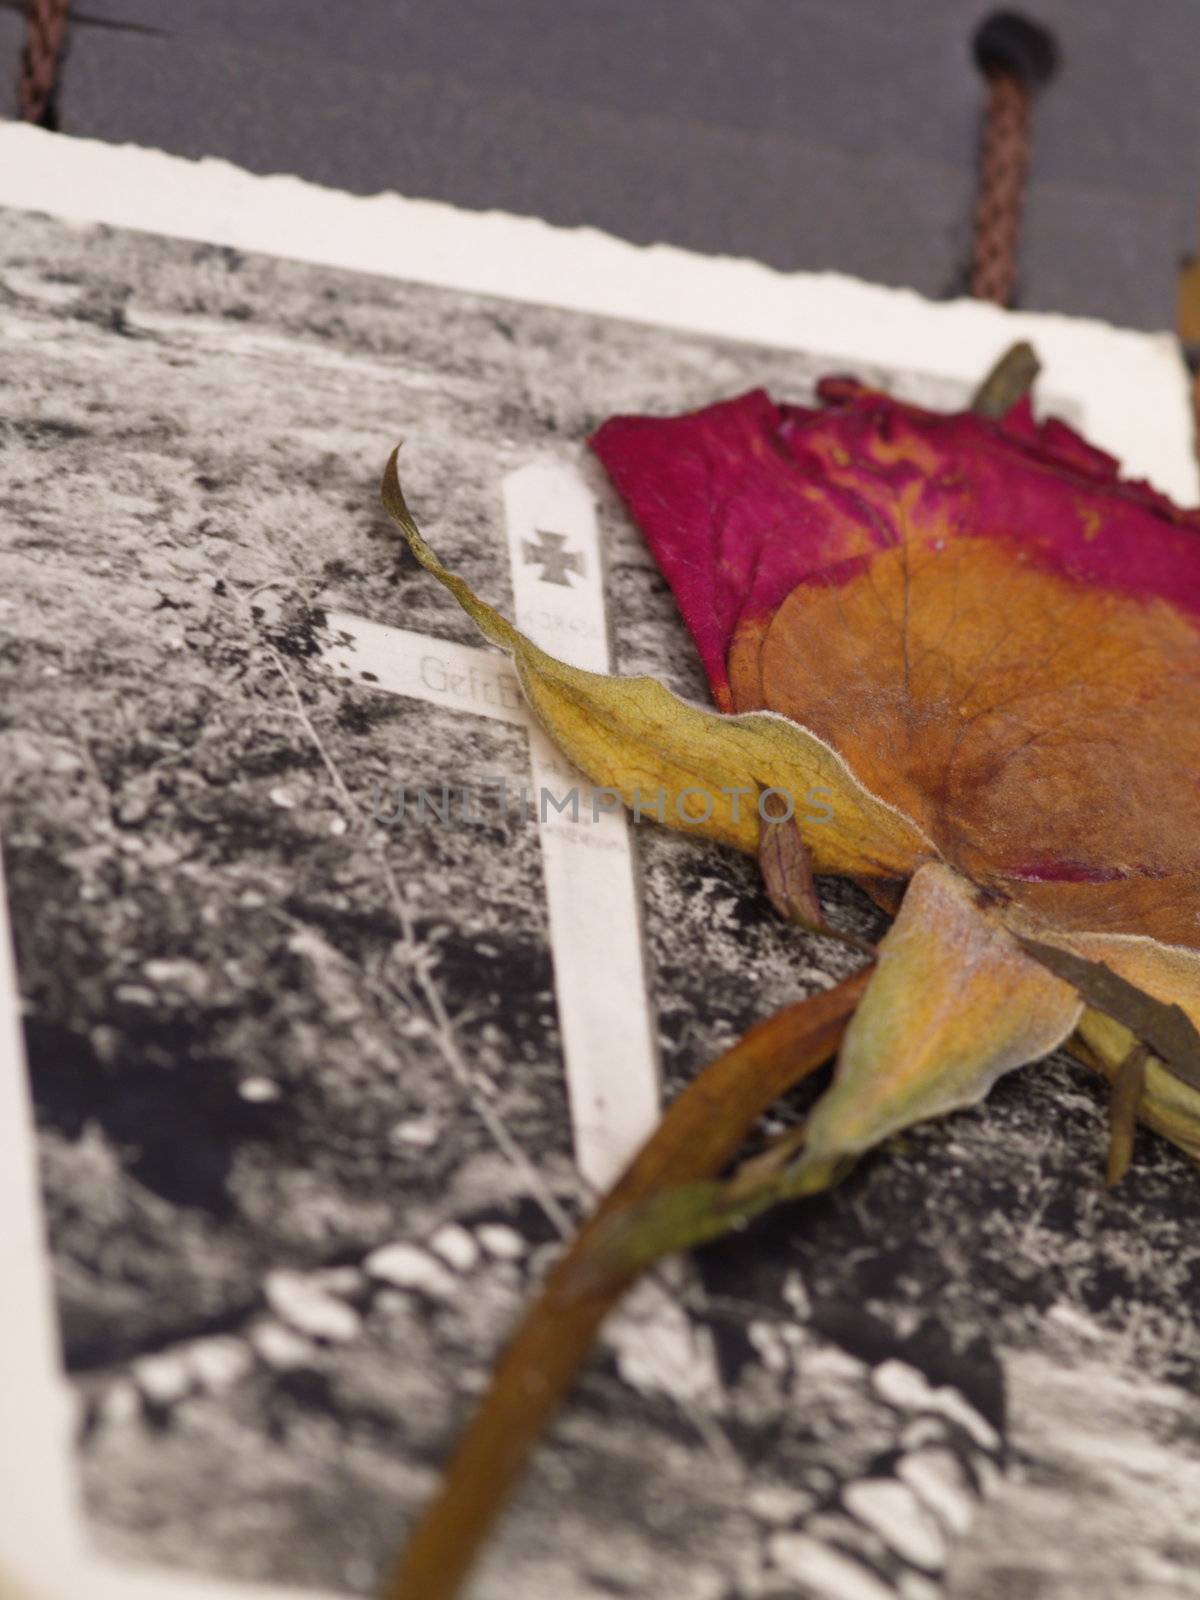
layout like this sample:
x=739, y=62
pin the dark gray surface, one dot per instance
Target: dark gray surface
x=12, y=35
x=807, y=133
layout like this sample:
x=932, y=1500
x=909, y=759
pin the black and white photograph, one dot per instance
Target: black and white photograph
x=337, y=999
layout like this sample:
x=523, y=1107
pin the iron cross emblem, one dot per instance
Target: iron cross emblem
x=551, y=554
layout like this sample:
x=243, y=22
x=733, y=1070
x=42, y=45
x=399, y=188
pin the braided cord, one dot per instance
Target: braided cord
x=41, y=59
x=1004, y=164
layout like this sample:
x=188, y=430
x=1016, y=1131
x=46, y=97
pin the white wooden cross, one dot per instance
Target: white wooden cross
x=605, y=1018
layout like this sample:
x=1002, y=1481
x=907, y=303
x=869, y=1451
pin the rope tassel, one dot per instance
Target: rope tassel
x=1017, y=57
x=41, y=61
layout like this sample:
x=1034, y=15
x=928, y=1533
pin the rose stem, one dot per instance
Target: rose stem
x=697, y=1137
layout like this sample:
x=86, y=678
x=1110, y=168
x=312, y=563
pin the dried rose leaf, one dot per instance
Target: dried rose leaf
x=633, y=736
x=953, y=1003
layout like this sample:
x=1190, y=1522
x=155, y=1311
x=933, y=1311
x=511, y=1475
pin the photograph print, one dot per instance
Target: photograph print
x=335, y=1015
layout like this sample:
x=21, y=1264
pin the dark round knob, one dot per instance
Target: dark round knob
x=1009, y=42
